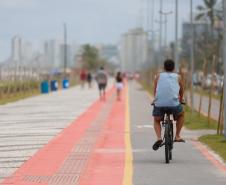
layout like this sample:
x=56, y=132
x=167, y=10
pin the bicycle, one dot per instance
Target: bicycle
x=168, y=139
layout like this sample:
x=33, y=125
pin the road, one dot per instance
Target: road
x=60, y=139
x=188, y=166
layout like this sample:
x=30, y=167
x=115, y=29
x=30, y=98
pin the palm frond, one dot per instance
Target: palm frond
x=210, y=3
x=200, y=16
x=200, y=8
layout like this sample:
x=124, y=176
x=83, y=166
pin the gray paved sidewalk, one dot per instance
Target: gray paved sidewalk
x=205, y=103
x=27, y=125
x=188, y=165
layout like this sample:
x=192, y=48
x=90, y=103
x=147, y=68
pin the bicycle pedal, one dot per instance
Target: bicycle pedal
x=162, y=144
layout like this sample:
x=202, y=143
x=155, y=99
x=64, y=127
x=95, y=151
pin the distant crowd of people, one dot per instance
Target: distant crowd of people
x=101, y=78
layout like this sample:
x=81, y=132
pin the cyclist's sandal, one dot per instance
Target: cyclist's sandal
x=157, y=144
x=179, y=140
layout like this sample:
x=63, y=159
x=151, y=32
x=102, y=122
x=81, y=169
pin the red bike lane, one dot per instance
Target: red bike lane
x=107, y=161
x=90, y=151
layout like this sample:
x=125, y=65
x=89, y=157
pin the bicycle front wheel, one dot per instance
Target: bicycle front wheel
x=168, y=153
x=171, y=141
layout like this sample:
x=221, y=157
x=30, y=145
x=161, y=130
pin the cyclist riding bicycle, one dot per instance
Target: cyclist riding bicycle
x=168, y=92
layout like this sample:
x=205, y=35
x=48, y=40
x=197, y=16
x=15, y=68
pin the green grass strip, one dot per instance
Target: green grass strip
x=18, y=96
x=198, y=121
x=217, y=143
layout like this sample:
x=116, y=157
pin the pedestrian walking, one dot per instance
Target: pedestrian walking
x=119, y=85
x=83, y=77
x=102, y=79
x=89, y=79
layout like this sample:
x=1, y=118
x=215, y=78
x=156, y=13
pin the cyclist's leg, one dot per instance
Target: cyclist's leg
x=157, y=114
x=179, y=125
x=180, y=122
x=157, y=127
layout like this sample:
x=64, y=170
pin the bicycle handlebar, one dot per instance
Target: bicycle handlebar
x=182, y=103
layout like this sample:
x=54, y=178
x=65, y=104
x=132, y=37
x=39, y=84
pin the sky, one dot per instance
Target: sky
x=88, y=21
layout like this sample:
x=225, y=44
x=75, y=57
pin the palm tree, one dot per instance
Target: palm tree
x=208, y=11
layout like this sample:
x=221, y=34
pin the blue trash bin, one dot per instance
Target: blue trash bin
x=65, y=84
x=44, y=87
x=54, y=85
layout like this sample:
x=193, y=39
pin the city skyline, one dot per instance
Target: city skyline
x=89, y=21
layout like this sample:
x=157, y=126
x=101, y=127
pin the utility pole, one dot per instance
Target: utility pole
x=148, y=14
x=166, y=21
x=176, y=54
x=224, y=57
x=65, y=50
x=192, y=57
x=152, y=19
x=141, y=22
x=160, y=35
x=165, y=44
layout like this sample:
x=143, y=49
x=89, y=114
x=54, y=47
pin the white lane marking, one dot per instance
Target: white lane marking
x=145, y=126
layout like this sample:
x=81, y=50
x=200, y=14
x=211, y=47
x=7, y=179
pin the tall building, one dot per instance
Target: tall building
x=21, y=50
x=54, y=52
x=16, y=49
x=134, y=49
x=108, y=51
x=69, y=56
x=50, y=53
x=201, y=29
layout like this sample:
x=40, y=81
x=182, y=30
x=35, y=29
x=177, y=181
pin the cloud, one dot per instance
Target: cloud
x=17, y=3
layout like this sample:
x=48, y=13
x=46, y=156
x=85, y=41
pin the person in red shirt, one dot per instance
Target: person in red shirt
x=83, y=77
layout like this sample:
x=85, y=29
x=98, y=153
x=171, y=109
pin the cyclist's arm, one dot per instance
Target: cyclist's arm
x=181, y=92
x=155, y=83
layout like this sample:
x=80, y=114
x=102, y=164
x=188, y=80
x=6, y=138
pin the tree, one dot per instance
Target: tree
x=208, y=12
x=90, y=57
x=210, y=44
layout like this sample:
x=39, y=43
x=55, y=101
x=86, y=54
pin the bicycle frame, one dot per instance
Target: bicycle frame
x=167, y=123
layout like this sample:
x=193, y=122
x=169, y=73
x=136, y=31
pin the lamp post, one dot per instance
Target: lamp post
x=152, y=17
x=160, y=35
x=166, y=21
x=176, y=54
x=65, y=50
x=224, y=57
x=148, y=14
x=192, y=56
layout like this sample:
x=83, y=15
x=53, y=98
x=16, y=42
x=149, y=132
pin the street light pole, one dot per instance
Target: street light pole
x=148, y=14
x=176, y=55
x=160, y=35
x=152, y=18
x=166, y=21
x=224, y=57
x=192, y=57
x=65, y=50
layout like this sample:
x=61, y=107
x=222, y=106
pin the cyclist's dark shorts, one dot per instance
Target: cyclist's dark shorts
x=102, y=86
x=176, y=111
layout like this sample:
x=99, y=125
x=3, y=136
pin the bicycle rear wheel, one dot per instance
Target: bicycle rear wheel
x=171, y=142
x=167, y=144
